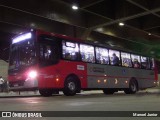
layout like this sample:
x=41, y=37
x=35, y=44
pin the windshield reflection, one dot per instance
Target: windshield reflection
x=22, y=55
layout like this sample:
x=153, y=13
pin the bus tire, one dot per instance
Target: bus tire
x=133, y=87
x=108, y=91
x=71, y=86
x=45, y=92
x=55, y=92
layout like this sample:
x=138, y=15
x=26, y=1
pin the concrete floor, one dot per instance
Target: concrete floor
x=86, y=101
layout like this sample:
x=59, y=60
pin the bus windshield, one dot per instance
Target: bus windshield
x=22, y=55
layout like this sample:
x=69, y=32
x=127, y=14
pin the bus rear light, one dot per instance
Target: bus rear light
x=126, y=81
x=105, y=81
x=32, y=74
x=116, y=81
x=98, y=81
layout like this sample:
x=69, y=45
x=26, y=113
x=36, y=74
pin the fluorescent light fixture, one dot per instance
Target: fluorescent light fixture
x=22, y=38
x=74, y=7
x=121, y=24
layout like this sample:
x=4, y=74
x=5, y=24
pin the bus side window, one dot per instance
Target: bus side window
x=47, y=52
x=114, y=56
x=102, y=55
x=136, y=61
x=152, y=64
x=144, y=62
x=67, y=56
x=87, y=53
x=70, y=50
x=149, y=64
x=126, y=60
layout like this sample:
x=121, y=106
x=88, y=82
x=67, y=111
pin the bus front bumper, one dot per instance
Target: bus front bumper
x=23, y=85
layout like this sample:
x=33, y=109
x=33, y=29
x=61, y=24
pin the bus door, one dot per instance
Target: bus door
x=48, y=58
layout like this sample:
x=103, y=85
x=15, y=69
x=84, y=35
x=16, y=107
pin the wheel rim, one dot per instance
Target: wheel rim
x=133, y=87
x=71, y=86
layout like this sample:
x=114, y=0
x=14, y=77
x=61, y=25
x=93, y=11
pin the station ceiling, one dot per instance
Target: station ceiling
x=95, y=20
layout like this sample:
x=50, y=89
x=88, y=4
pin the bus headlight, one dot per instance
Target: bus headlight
x=32, y=74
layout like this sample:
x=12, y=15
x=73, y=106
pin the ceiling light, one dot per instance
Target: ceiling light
x=121, y=24
x=149, y=34
x=100, y=29
x=74, y=7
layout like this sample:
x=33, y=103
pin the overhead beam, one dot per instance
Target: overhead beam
x=87, y=11
x=86, y=33
x=144, y=8
x=125, y=18
x=89, y=29
x=41, y=16
x=152, y=28
x=91, y=4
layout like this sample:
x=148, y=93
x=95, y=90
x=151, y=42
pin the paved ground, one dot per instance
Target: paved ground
x=86, y=101
x=36, y=93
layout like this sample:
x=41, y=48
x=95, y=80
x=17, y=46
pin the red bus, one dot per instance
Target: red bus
x=51, y=63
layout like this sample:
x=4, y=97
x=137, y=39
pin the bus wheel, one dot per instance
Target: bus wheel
x=45, y=92
x=55, y=92
x=133, y=87
x=108, y=91
x=70, y=86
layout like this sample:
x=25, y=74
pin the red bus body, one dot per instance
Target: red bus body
x=89, y=75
